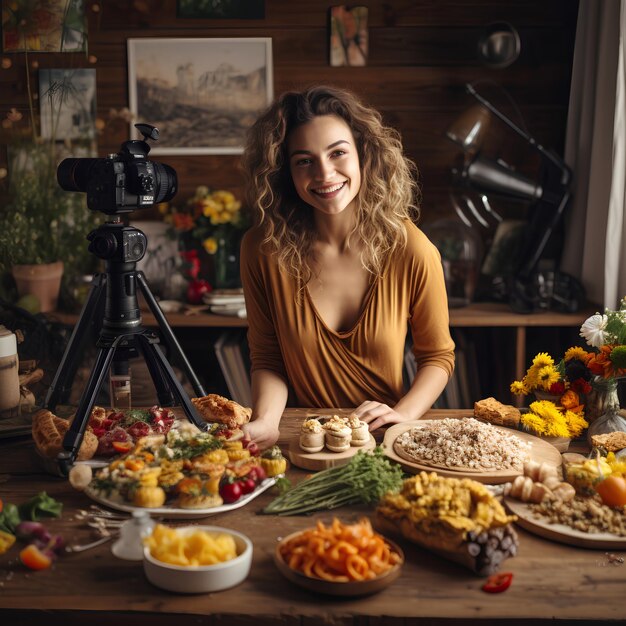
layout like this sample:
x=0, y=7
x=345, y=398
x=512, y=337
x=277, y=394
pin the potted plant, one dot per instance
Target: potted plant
x=42, y=227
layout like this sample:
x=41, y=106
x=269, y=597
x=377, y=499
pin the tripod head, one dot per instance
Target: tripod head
x=120, y=247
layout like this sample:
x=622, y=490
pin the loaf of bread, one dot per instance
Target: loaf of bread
x=216, y=408
x=497, y=413
x=611, y=442
x=48, y=431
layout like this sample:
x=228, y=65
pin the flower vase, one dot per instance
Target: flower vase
x=603, y=404
x=226, y=261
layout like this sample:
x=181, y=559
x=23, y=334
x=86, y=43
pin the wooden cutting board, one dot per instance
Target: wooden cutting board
x=316, y=461
x=561, y=533
x=540, y=451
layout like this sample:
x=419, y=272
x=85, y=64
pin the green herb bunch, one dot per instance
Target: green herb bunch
x=366, y=478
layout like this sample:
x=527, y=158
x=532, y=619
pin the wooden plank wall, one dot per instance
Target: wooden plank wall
x=421, y=53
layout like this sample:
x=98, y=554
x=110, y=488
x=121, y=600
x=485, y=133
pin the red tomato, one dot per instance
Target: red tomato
x=230, y=492
x=498, y=582
x=247, y=484
x=196, y=289
x=34, y=558
x=612, y=490
x=257, y=473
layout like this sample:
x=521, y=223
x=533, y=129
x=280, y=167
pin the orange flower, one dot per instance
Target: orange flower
x=600, y=363
x=571, y=401
x=183, y=221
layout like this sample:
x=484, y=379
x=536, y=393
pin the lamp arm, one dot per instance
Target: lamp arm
x=560, y=164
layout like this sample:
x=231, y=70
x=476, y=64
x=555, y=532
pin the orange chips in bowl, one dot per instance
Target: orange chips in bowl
x=340, y=553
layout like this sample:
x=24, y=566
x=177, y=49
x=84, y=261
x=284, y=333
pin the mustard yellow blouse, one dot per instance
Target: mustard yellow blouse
x=342, y=369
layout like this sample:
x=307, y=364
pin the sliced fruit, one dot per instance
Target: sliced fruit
x=122, y=446
x=34, y=558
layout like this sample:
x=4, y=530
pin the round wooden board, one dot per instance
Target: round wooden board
x=561, y=533
x=540, y=451
x=316, y=461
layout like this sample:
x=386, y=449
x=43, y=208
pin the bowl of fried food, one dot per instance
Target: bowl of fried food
x=339, y=559
x=196, y=559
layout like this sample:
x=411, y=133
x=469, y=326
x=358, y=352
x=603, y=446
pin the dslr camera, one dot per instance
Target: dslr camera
x=122, y=182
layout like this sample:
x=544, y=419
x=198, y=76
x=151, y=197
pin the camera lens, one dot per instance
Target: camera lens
x=167, y=182
x=73, y=174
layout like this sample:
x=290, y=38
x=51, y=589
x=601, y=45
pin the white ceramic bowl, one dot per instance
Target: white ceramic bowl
x=202, y=578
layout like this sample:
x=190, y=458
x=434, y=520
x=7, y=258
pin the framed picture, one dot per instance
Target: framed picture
x=44, y=26
x=348, y=36
x=202, y=94
x=67, y=101
x=221, y=9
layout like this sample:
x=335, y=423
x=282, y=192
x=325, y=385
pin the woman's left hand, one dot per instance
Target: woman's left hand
x=377, y=414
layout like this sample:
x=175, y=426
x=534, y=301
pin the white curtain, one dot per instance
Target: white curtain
x=595, y=149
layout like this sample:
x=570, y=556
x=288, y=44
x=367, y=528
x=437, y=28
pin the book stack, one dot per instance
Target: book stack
x=231, y=350
x=226, y=302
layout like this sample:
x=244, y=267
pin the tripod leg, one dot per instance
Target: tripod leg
x=164, y=392
x=74, y=436
x=174, y=384
x=169, y=336
x=62, y=383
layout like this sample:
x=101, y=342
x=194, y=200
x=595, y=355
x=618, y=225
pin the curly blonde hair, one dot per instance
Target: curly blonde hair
x=388, y=193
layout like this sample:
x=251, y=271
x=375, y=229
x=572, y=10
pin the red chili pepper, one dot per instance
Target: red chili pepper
x=498, y=582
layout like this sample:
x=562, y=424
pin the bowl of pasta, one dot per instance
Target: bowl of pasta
x=339, y=559
x=196, y=559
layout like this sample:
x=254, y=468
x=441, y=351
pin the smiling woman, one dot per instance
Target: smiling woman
x=335, y=266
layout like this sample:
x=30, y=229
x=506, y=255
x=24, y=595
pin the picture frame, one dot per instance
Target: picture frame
x=349, y=37
x=67, y=103
x=202, y=94
x=44, y=26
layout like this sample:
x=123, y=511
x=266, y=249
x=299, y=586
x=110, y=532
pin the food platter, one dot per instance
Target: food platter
x=350, y=588
x=324, y=459
x=540, y=451
x=560, y=532
x=172, y=512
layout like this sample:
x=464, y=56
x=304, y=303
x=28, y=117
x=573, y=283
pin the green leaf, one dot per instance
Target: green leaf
x=41, y=505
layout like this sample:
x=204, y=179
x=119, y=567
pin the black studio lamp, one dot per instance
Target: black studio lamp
x=547, y=194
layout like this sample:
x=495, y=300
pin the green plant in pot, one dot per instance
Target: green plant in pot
x=43, y=228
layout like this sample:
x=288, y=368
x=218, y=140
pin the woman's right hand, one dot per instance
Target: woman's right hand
x=261, y=432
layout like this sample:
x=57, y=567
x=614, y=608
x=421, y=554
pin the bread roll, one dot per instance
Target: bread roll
x=216, y=408
x=48, y=431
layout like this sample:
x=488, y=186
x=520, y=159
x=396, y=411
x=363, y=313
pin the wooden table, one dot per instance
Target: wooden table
x=551, y=581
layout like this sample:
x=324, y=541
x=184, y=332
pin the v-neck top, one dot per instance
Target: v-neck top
x=328, y=368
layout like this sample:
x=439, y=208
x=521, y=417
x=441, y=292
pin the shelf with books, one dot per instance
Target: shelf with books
x=492, y=343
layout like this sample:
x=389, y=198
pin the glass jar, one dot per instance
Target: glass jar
x=226, y=260
x=601, y=398
x=460, y=247
x=603, y=408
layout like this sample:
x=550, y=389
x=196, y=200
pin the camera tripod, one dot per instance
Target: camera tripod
x=121, y=336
